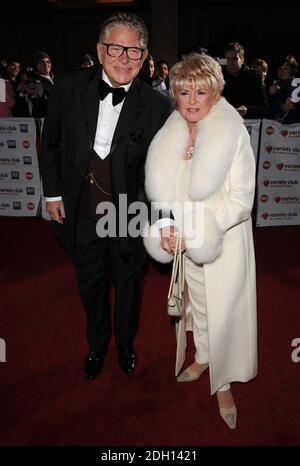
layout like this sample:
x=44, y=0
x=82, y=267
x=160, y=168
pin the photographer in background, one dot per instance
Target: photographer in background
x=282, y=107
x=30, y=99
x=10, y=70
x=260, y=67
x=42, y=68
x=161, y=81
x=243, y=89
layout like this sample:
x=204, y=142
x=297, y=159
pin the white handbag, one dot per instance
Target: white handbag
x=176, y=289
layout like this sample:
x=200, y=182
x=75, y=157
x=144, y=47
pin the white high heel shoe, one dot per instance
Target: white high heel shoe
x=189, y=375
x=229, y=416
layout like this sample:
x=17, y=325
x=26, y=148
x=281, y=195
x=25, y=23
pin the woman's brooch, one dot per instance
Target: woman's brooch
x=190, y=152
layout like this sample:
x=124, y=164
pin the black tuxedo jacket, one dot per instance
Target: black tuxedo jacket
x=68, y=138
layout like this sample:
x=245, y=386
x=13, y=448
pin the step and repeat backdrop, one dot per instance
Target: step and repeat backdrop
x=278, y=175
x=276, y=148
x=20, y=184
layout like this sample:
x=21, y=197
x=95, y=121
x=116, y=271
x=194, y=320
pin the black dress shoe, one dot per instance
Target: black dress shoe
x=128, y=361
x=93, y=365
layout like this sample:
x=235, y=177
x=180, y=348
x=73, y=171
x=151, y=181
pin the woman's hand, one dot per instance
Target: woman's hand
x=168, y=239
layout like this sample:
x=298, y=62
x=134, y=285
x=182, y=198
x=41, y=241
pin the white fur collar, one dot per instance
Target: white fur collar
x=215, y=146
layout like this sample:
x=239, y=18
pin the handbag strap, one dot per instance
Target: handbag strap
x=178, y=267
x=181, y=267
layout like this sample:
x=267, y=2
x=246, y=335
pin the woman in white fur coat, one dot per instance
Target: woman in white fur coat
x=202, y=159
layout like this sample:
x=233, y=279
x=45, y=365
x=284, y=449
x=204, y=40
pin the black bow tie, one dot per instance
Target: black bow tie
x=118, y=93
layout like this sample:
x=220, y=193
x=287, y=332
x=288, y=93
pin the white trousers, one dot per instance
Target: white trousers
x=194, y=276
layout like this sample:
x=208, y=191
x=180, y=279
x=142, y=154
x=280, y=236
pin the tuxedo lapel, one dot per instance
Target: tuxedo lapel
x=90, y=97
x=131, y=109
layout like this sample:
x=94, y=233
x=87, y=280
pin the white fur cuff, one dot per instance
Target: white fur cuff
x=210, y=244
x=151, y=238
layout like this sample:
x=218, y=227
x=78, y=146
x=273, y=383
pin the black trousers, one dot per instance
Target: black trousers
x=98, y=264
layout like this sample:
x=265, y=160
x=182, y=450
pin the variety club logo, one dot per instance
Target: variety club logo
x=269, y=130
x=266, y=164
x=277, y=198
x=26, y=144
x=286, y=199
x=279, y=182
x=264, y=198
x=279, y=215
x=284, y=133
x=269, y=149
x=280, y=165
x=30, y=205
x=290, y=167
x=28, y=175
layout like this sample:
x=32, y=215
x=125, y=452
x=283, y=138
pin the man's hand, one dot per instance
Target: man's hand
x=56, y=210
x=168, y=239
x=288, y=105
x=274, y=88
x=242, y=110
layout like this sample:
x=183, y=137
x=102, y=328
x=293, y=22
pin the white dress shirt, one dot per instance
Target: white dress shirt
x=107, y=121
x=108, y=116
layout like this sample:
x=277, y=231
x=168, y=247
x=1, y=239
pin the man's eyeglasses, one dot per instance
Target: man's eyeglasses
x=116, y=51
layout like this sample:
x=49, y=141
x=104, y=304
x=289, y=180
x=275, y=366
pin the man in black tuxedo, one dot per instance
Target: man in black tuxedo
x=94, y=147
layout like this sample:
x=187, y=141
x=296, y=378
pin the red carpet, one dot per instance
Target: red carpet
x=45, y=399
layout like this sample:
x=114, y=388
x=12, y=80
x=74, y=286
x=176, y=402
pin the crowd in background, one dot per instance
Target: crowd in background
x=254, y=90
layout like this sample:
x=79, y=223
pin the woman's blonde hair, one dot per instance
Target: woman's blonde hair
x=198, y=69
